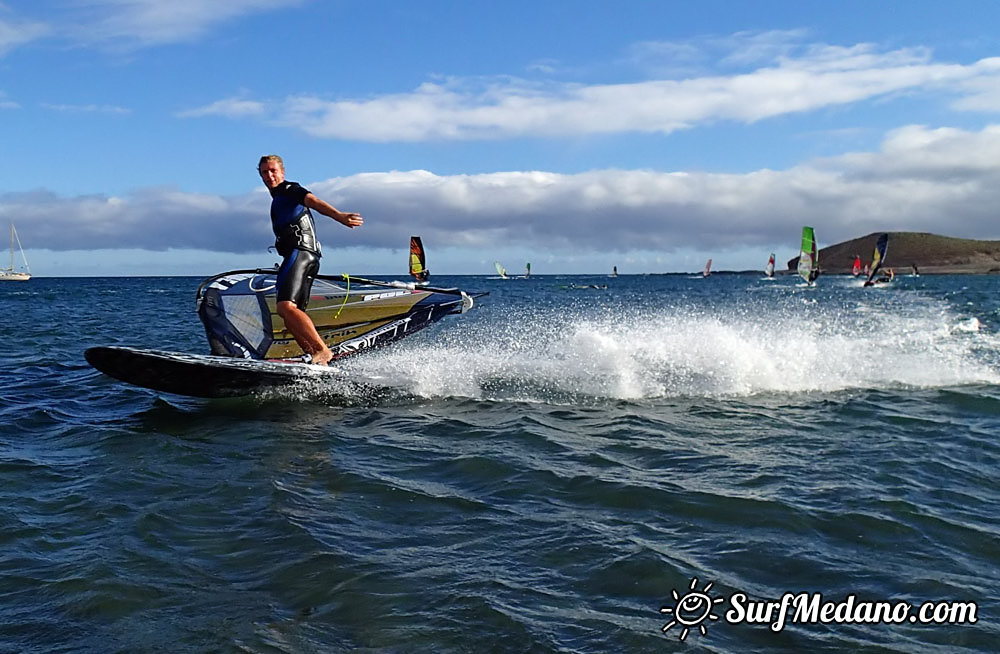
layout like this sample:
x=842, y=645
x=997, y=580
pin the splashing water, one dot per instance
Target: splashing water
x=784, y=344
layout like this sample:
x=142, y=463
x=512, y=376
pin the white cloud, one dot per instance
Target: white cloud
x=133, y=23
x=981, y=93
x=14, y=33
x=695, y=56
x=937, y=180
x=86, y=108
x=7, y=104
x=152, y=218
x=129, y=24
x=822, y=76
x=753, y=48
x=229, y=107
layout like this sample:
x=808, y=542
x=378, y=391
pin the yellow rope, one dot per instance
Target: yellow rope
x=346, y=295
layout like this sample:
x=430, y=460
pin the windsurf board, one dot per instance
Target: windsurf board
x=200, y=375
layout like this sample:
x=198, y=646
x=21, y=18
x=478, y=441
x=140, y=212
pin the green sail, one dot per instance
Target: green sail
x=808, y=256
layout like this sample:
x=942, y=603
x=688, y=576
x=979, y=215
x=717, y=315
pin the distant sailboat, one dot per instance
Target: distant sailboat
x=878, y=258
x=614, y=271
x=708, y=269
x=914, y=272
x=418, y=261
x=769, y=268
x=856, y=270
x=527, y=269
x=808, y=256
x=500, y=270
x=10, y=274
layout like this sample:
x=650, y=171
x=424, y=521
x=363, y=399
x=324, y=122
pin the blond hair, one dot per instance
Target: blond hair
x=268, y=158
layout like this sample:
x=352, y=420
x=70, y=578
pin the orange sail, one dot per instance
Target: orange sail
x=418, y=262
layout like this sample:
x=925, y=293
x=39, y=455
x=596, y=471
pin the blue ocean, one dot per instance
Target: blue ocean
x=643, y=464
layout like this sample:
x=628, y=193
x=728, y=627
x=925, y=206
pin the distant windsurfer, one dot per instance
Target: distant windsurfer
x=296, y=242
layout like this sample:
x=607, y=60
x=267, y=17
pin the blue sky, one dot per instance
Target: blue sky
x=577, y=135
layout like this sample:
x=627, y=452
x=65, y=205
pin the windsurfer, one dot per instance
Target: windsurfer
x=296, y=242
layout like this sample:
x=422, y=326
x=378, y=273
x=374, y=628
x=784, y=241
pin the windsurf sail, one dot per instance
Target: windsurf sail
x=238, y=310
x=527, y=269
x=500, y=270
x=856, y=270
x=614, y=271
x=769, y=268
x=878, y=258
x=708, y=269
x=808, y=256
x=418, y=261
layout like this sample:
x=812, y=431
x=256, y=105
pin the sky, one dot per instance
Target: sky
x=578, y=135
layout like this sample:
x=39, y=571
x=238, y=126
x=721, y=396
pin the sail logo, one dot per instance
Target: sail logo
x=695, y=607
x=371, y=339
x=382, y=296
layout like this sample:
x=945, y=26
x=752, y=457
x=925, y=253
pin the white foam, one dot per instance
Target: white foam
x=796, y=345
x=968, y=325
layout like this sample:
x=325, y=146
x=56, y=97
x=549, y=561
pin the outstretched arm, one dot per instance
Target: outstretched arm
x=351, y=220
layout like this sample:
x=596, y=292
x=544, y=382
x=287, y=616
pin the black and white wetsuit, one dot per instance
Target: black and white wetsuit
x=296, y=242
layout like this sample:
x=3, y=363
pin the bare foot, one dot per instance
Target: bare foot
x=322, y=358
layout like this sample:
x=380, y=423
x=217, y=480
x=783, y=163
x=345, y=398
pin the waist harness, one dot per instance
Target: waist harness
x=299, y=234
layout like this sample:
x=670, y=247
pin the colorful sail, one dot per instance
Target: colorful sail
x=239, y=312
x=527, y=269
x=708, y=269
x=878, y=258
x=808, y=256
x=418, y=260
x=856, y=270
x=500, y=270
x=769, y=268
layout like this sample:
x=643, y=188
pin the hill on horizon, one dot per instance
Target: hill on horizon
x=930, y=253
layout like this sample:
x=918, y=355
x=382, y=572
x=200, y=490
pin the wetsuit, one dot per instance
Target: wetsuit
x=295, y=240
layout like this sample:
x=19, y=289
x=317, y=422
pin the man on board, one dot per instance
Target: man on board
x=296, y=242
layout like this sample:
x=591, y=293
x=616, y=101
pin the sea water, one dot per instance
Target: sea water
x=650, y=466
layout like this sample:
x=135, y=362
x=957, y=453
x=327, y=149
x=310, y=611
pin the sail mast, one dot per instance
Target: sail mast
x=24, y=257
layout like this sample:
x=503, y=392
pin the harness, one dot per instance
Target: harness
x=300, y=234
x=292, y=221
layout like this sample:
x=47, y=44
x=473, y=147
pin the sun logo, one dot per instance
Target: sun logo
x=691, y=609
